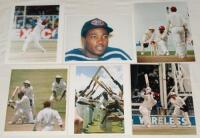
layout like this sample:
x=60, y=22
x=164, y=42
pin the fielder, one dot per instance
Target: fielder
x=180, y=108
x=35, y=36
x=82, y=109
x=146, y=107
x=161, y=41
x=28, y=91
x=47, y=117
x=148, y=38
x=58, y=88
x=23, y=110
x=178, y=27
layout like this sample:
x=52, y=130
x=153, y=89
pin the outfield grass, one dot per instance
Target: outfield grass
x=164, y=131
x=33, y=54
x=117, y=127
x=148, y=53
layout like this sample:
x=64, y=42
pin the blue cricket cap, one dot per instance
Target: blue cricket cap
x=95, y=23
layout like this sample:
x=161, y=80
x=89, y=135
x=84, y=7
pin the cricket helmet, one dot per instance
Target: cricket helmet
x=161, y=27
x=171, y=94
x=173, y=9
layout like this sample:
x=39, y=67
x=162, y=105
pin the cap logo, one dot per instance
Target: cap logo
x=97, y=22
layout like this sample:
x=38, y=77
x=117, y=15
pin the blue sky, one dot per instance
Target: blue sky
x=86, y=70
x=84, y=75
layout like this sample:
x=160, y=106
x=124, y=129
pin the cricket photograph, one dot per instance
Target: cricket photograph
x=162, y=102
x=36, y=100
x=34, y=34
x=163, y=36
x=112, y=43
x=99, y=104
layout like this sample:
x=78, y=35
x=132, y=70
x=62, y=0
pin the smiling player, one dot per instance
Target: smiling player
x=95, y=37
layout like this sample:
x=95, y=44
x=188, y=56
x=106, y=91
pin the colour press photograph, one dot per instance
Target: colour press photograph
x=98, y=38
x=36, y=100
x=163, y=36
x=162, y=101
x=34, y=34
x=99, y=103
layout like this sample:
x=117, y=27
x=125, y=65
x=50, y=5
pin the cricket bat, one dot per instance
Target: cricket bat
x=146, y=80
x=14, y=92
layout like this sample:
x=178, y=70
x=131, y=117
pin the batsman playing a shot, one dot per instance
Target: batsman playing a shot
x=27, y=89
x=35, y=35
x=58, y=88
x=146, y=107
x=47, y=117
x=23, y=109
x=180, y=108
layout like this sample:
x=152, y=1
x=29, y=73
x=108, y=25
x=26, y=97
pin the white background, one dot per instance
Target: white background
x=121, y=37
x=89, y=7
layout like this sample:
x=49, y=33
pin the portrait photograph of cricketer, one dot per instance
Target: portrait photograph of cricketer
x=97, y=40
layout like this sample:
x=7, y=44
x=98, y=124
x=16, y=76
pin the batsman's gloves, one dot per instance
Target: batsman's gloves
x=184, y=108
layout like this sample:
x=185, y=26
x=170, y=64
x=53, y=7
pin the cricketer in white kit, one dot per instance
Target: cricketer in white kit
x=47, y=117
x=23, y=110
x=82, y=107
x=35, y=36
x=58, y=88
x=177, y=25
x=146, y=107
x=161, y=40
x=148, y=37
x=180, y=108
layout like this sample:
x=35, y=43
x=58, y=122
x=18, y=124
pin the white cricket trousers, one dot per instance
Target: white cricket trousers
x=146, y=115
x=179, y=40
x=20, y=114
x=32, y=38
x=178, y=112
x=162, y=47
x=47, y=128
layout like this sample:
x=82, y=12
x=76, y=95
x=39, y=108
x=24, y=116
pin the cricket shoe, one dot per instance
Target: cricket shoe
x=29, y=122
x=44, y=51
x=24, y=52
x=11, y=123
x=187, y=125
x=181, y=57
x=174, y=126
x=147, y=126
x=32, y=122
